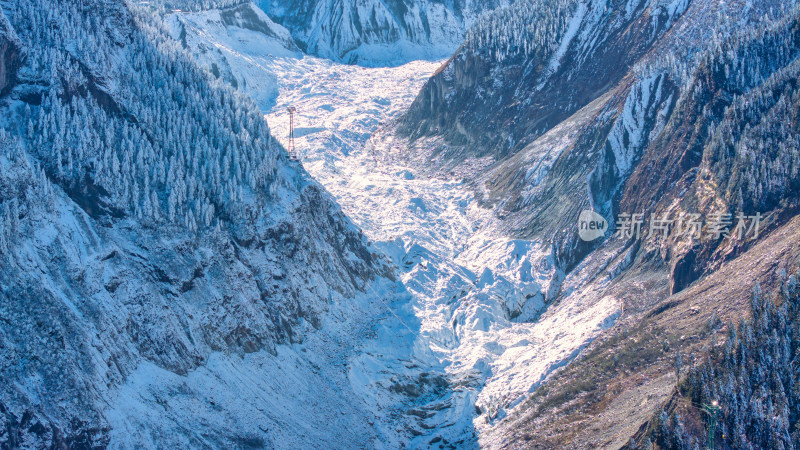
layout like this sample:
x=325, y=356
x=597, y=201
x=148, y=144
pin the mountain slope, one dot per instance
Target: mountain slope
x=532, y=66
x=236, y=44
x=155, y=241
x=664, y=129
x=9, y=55
x=378, y=32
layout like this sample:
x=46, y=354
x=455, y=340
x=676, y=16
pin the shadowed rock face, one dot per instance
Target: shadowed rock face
x=248, y=17
x=9, y=57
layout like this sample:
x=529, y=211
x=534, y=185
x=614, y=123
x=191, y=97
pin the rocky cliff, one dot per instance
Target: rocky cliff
x=9, y=56
x=531, y=66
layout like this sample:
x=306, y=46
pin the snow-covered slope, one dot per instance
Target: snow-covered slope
x=234, y=44
x=198, y=289
x=378, y=32
x=524, y=69
x=168, y=277
x=660, y=130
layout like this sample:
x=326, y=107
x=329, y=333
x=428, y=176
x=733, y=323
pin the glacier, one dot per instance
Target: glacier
x=466, y=335
x=472, y=293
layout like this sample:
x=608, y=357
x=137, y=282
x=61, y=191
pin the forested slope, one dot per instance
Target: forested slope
x=149, y=222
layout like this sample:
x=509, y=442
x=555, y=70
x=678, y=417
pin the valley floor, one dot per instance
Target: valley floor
x=445, y=360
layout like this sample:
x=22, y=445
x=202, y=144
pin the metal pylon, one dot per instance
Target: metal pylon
x=713, y=411
x=291, y=149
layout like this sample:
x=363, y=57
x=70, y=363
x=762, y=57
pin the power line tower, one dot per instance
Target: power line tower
x=291, y=149
x=713, y=411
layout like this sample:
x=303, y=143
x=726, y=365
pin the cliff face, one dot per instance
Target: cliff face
x=233, y=43
x=378, y=32
x=534, y=77
x=9, y=56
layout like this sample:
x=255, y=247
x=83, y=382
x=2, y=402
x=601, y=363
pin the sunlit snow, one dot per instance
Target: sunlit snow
x=465, y=334
x=462, y=277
